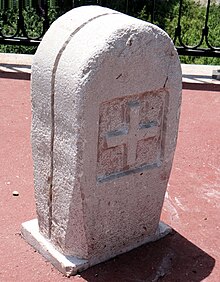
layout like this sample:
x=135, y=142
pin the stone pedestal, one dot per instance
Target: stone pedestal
x=106, y=92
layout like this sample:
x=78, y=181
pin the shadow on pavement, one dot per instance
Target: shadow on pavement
x=172, y=258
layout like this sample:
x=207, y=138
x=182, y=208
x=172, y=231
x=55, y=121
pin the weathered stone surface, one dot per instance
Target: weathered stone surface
x=106, y=91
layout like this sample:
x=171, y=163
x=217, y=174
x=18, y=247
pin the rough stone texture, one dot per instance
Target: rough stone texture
x=106, y=91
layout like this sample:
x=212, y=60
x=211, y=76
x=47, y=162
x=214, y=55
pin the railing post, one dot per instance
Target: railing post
x=44, y=6
x=152, y=11
x=20, y=21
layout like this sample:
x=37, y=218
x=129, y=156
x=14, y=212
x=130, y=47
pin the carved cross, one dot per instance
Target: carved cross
x=132, y=133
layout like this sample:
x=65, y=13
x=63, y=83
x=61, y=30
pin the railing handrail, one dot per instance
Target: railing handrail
x=20, y=35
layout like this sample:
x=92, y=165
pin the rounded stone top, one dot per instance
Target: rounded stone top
x=89, y=38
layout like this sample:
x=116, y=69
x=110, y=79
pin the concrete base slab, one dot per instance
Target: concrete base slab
x=70, y=265
x=65, y=264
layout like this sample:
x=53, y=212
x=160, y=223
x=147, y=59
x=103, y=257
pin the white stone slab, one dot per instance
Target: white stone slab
x=70, y=265
x=106, y=95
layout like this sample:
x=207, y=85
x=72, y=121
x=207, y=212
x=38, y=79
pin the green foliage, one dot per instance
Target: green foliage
x=165, y=16
x=192, y=23
x=8, y=21
x=34, y=24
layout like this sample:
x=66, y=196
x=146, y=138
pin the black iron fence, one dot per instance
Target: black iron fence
x=24, y=22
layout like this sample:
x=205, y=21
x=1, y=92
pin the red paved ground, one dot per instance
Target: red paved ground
x=192, y=205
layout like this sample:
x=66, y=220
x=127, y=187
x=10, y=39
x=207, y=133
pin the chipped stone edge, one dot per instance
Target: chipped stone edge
x=70, y=265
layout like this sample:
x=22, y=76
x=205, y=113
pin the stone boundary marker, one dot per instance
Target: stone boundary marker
x=106, y=94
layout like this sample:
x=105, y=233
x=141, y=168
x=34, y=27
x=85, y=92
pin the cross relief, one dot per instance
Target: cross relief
x=130, y=135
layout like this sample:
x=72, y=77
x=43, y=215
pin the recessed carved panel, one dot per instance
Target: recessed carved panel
x=131, y=133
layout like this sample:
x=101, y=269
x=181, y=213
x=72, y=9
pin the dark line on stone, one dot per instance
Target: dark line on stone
x=119, y=76
x=164, y=86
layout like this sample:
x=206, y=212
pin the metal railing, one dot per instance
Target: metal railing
x=24, y=22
